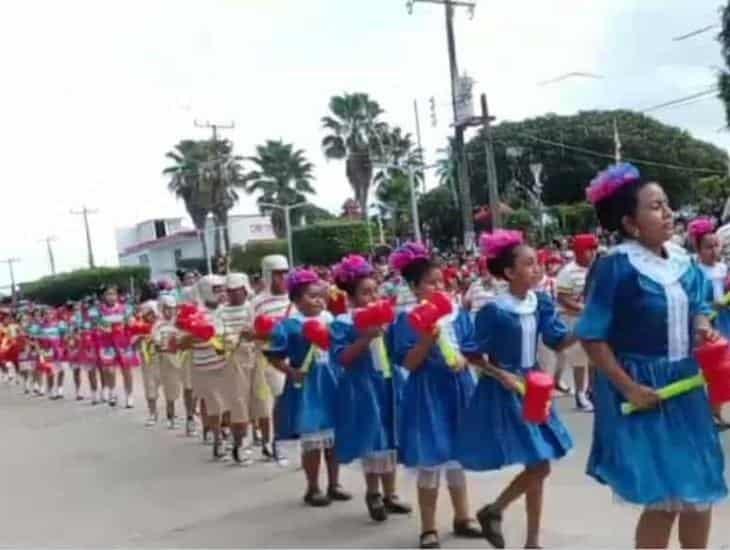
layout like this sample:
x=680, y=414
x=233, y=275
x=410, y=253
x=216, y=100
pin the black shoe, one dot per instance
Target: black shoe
x=467, y=529
x=491, y=522
x=316, y=499
x=338, y=493
x=394, y=505
x=218, y=455
x=429, y=539
x=376, y=507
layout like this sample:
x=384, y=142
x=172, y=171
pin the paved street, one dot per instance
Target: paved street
x=73, y=475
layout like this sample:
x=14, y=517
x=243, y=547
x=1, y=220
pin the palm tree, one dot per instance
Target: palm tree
x=399, y=150
x=446, y=172
x=357, y=136
x=282, y=175
x=186, y=183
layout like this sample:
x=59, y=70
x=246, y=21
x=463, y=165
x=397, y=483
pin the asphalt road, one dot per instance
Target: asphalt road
x=76, y=475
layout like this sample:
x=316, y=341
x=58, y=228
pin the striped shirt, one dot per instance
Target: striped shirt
x=571, y=280
x=236, y=318
x=273, y=305
x=162, y=332
x=205, y=356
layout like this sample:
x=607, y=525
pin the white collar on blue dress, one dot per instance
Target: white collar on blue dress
x=664, y=271
x=717, y=271
x=325, y=317
x=509, y=302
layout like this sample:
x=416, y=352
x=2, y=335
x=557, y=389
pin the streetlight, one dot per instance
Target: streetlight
x=414, y=199
x=287, y=208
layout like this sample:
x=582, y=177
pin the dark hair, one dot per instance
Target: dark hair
x=415, y=271
x=504, y=261
x=350, y=286
x=298, y=291
x=623, y=202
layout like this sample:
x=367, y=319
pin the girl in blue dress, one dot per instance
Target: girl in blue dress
x=645, y=304
x=435, y=397
x=306, y=409
x=701, y=232
x=494, y=433
x=367, y=393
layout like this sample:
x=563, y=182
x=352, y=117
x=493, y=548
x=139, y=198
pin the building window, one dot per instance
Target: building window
x=144, y=259
x=178, y=255
x=160, y=229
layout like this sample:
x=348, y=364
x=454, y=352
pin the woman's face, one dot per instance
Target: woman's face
x=168, y=312
x=311, y=302
x=653, y=222
x=110, y=296
x=431, y=282
x=526, y=272
x=366, y=292
x=709, y=249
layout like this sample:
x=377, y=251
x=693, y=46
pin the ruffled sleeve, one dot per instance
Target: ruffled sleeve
x=595, y=322
x=550, y=325
x=401, y=339
x=484, y=325
x=343, y=334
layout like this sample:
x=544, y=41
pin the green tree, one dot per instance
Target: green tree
x=356, y=135
x=282, y=175
x=394, y=194
x=574, y=148
x=440, y=215
x=710, y=195
x=724, y=76
x=186, y=183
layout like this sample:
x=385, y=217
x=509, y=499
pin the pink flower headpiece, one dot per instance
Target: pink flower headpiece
x=700, y=227
x=300, y=277
x=352, y=267
x=493, y=244
x=606, y=183
x=407, y=254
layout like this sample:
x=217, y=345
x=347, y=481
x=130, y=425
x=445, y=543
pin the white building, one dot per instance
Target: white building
x=160, y=244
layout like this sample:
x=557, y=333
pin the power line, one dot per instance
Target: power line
x=709, y=91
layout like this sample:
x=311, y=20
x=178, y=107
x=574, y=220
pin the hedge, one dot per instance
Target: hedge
x=325, y=243
x=75, y=285
x=575, y=218
x=249, y=260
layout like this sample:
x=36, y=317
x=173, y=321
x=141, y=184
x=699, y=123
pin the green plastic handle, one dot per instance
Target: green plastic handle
x=672, y=390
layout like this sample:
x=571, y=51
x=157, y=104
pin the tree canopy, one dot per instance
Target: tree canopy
x=574, y=148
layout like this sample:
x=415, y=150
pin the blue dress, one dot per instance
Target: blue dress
x=716, y=277
x=435, y=396
x=367, y=398
x=494, y=433
x=643, y=307
x=306, y=408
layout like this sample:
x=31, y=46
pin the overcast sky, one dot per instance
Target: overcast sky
x=95, y=92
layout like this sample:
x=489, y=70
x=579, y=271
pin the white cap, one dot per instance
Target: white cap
x=238, y=280
x=205, y=287
x=167, y=300
x=274, y=262
x=150, y=306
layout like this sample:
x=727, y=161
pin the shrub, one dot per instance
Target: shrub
x=249, y=260
x=575, y=218
x=74, y=285
x=327, y=242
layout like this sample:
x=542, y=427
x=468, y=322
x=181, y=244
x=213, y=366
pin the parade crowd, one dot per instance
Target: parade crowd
x=438, y=365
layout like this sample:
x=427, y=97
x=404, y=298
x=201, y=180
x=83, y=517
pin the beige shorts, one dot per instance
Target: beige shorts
x=251, y=396
x=186, y=366
x=151, y=378
x=170, y=376
x=210, y=385
x=575, y=355
x=274, y=378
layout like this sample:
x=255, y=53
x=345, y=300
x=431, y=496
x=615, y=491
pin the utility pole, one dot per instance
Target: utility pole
x=418, y=137
x=51, y=260
x=10, y=262
x=462, y=172
x=214, y=139
x=616, y=143
x=494, y=207
x=85, y=213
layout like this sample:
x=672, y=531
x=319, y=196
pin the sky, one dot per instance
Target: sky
x=94, y=93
